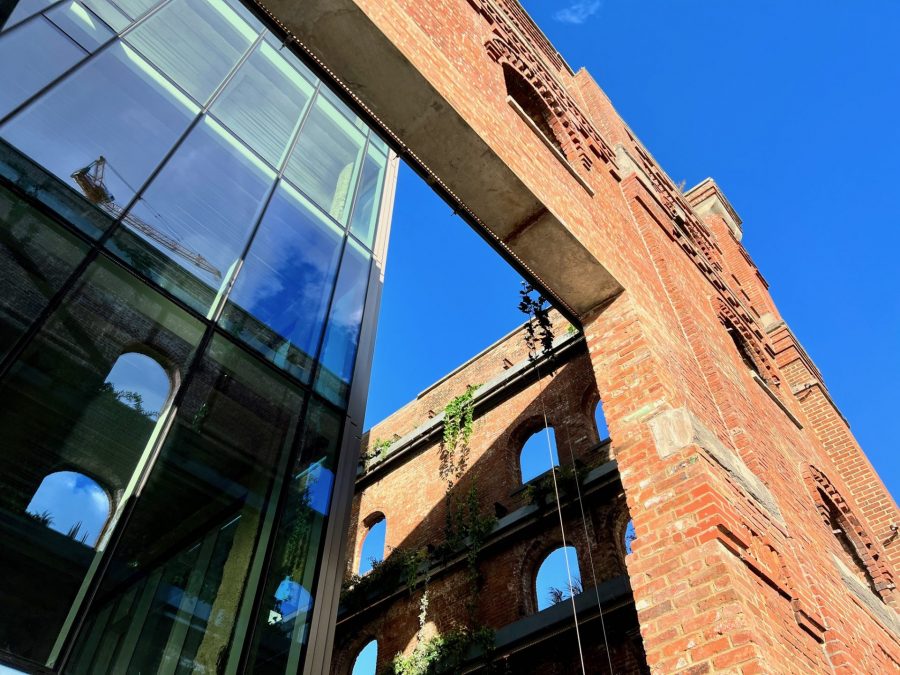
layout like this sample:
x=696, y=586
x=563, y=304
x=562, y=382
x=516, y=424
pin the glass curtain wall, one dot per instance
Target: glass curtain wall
x=187, y=217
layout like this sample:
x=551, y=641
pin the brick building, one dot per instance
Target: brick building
x=765, y=542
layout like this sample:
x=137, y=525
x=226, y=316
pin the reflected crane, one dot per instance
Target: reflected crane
x=90, y=180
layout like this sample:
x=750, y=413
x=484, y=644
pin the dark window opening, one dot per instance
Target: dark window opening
x=531, y=103
x=850, y=554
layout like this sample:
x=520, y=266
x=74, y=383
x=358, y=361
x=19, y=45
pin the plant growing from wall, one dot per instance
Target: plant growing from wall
x=539, y=328
x=377, y=453
x=537, y=491
x=458, y=424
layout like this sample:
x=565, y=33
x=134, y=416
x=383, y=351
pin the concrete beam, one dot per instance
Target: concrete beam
x=437, y=137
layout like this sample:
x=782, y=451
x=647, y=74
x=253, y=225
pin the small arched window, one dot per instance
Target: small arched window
x=741, y=345
x=373, y=543
x=600, y=421
x=139, y=382
x=558, y=577
x=531, y=103
x=367, y=659
x=848, y=550
x=536, y=457
x=73, y=504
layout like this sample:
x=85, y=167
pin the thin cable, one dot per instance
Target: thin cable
x=562, y=528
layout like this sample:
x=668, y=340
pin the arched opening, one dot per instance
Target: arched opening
x=72, y=504
x=366, y=660
x=531, y=103
x=629, y=537
x=373, y=544
x=139, y=382
x=849, y=553
x=535, y=458
x=600, y=422
x=558, y=577
x=741, y=345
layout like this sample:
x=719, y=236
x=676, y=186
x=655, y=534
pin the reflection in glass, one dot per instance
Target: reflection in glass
x=195, y=42
x=136, y=8
x=279, y=300
x=326, y=159
x=80, y=25
x=36, y=257
x=24, y=9
x=342, y=335
x=60, y=409
x=263, y=103
x=47, y=52
x=185, y=554
x=114, y=18
x=72, y=504
x=104, y=145
x=368, y=197
x=191, y=225
x=283, y=623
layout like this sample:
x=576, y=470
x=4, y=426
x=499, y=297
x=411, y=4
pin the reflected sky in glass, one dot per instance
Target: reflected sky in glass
x=71, y=499
x=80, y=25
x=280, y=298
x=553, y=575
x=24, y=9
x=366, y=661
x=535, y=457
x=140, y=382
x=47, y=52
x=263, y=103
x=117, y=107
x=342, y=335
x=195, y=42
x=373, y=546
x=202, y=205
x=368, y=198
x=109, y=13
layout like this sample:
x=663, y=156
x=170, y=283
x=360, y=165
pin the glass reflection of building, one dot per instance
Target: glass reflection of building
x=190, y=245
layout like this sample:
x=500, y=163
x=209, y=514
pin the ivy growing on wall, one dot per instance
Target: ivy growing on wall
x=458, y=423
x=539, y=328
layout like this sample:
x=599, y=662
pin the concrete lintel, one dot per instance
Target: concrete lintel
x=674, y=430
x=872, y=602
x=433, y=134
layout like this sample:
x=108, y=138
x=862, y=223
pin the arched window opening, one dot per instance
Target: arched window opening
x=535, y=459
x=531, y=103
x=629, y=537
x=600, y=421
x=741, y=345
x=139, y=382
x=849, y=553
x=373, y=544
x=367, y=659
x=555, y=581
x=72, y=504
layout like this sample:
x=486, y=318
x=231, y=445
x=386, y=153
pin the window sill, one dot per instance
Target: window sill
x=540, y=134
x=775, y=398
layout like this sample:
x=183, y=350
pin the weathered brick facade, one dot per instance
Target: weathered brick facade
x=765, y=540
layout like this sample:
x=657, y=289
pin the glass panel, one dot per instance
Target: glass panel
x=105, y=128
x=342, y=334
x=136, y=8
x=47, y=52
x=24, y=9
x=186, y=551
x=60, y=409
x=326, y=159
x=72, y=504
x=36, y=257
x=283, y=623
x=368, y=198
x=190, y=226
x=279, y=300
x=263, y=102
x=195, y=42
x=376, y=141
x=109, y=13
x=80, y=25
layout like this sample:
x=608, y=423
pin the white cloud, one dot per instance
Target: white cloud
x=578, y=12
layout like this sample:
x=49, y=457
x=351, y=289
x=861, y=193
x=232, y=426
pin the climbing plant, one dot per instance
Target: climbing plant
x=376, y=454
x=458, y=422
x=539, y=328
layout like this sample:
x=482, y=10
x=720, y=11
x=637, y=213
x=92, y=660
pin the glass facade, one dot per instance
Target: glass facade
x=188, y=226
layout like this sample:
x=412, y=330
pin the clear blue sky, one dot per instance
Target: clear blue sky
x=791, y=106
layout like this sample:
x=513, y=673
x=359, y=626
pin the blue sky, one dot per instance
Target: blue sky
x=790, y=106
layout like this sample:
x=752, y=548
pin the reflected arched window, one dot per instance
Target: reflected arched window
x=558, y=577
x=72, y=504
x=535, y=457
x=600, y=421
x=365, y=662
x=139, y=382
x=373, y=544
x=629, y=537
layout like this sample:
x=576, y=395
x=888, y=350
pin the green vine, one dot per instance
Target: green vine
x=538, y=490
x=458, y=422
x=539, y=328
x=378, y=451
x=444, y=653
